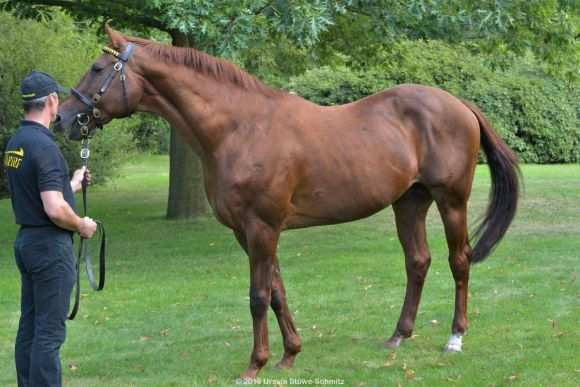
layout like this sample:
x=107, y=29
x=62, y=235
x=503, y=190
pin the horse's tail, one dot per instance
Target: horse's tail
x=503, y=196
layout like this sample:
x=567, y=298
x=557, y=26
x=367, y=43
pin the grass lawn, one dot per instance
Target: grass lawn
x=175, y=307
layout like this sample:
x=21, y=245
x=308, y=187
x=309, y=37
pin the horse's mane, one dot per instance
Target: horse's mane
x=217, y=68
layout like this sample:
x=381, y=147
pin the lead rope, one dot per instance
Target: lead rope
x=84, y=245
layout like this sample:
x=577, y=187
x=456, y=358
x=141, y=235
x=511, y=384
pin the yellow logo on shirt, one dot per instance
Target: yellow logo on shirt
x=19, y=152
x=13, y=161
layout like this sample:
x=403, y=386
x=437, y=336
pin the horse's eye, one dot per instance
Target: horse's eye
x=96, y=69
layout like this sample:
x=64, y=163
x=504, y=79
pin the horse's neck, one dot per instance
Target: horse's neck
x=200, y=107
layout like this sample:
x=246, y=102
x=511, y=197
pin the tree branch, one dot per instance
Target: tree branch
x=359, y=11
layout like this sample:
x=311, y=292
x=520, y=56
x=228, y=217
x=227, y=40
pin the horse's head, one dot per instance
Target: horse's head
x=105, y=91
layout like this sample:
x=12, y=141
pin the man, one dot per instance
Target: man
x=45, y=208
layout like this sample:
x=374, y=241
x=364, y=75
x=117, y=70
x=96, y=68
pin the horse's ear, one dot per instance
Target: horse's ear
x=117, y=39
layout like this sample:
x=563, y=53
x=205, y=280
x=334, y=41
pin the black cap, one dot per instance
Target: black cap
x=39, y=84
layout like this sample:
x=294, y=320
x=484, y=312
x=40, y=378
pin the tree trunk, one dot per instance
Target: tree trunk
x=186, y=194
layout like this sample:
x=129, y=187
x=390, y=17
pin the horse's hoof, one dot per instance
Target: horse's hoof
x=283, y=366
x=451, y=349
x=286, y=363
x=250, y=374
x=394, y=342
x=454, y=344
x=389, y=345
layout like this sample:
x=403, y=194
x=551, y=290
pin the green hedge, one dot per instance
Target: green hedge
x=537, y=116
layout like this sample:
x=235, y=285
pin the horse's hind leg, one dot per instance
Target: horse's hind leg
x=292, y=344
x=453, y=210
x=410, y=213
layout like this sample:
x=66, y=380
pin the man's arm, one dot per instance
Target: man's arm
x=61, y=213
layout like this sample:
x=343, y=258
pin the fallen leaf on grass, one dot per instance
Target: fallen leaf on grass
x=513, y=376
x=73, y=367
x=409, y=375
x=445, y=363
x=388, y=364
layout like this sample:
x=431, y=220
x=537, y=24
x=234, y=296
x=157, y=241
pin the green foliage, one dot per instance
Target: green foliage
x=60, y=50
x=150, y=133
x=353, y=28
x=537, y=116
x=337, y=85
x=547, y=28
x=109, y=150
x=221, y=27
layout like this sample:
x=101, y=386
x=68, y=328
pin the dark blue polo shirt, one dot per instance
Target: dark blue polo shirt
x=33, y=164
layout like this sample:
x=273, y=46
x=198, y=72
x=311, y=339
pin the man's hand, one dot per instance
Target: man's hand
x=76, y=182
x=88, y=229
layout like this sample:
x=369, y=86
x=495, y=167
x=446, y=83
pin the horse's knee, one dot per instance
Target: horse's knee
x=259, y=302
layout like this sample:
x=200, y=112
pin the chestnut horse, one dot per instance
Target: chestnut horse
x=273, y=161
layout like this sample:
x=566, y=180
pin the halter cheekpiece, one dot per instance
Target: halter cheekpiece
x=83, y=119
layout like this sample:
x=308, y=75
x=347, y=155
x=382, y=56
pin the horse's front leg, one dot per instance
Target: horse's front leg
x=261, y=241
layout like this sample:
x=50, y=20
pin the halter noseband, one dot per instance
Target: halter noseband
x=84, y=118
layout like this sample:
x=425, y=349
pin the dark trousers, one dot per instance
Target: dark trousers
x=44, y=256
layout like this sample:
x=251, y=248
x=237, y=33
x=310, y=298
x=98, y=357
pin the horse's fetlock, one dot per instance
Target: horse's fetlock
x=260, y=358
x=293, y=345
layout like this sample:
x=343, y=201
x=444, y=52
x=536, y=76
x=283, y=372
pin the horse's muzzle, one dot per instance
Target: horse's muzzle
x=58, y=126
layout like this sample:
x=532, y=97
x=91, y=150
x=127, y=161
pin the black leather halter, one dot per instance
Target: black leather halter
x=84, y=118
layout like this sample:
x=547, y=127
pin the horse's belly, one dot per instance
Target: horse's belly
x=338, y=203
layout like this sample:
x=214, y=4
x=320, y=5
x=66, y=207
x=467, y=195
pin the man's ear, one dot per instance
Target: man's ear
x=117, y=40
